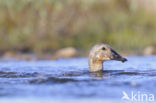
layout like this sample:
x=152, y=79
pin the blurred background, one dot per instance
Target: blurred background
x=45, y=26
x=49, y=30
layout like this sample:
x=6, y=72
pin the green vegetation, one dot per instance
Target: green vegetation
x=45, y=25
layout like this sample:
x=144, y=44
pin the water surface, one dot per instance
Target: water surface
x=69, y=80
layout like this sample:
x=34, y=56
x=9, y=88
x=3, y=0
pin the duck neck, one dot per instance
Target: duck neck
x=95, y=66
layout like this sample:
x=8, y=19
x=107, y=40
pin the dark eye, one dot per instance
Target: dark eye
x=103, y=48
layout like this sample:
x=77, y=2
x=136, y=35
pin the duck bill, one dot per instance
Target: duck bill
x=116, y=56
x=122, y=59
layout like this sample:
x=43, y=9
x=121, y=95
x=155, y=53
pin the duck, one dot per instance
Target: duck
x=100, y=53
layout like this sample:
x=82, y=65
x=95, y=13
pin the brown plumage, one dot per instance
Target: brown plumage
x=100, y=53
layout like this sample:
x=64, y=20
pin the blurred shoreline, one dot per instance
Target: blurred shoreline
x=65, y=53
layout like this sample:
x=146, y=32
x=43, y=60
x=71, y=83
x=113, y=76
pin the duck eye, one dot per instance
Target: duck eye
x=103, y=48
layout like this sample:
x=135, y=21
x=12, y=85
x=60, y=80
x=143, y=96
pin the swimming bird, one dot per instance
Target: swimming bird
x=100, y=53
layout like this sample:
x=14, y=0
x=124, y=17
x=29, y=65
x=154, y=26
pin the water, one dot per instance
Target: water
x=69, y=80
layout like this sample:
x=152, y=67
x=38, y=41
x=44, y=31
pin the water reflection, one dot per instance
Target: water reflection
x=61, y=79
x=97, y=75
x=105, y=74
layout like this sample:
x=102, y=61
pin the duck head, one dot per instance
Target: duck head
x=100, y=53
